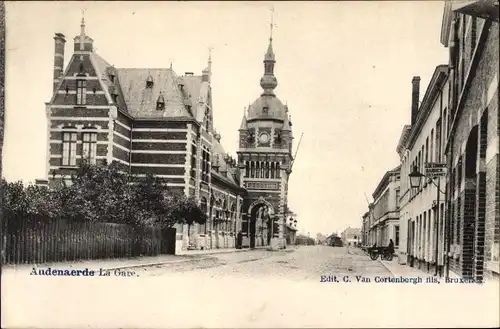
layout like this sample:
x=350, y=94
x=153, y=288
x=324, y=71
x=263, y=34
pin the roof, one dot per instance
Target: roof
x=402, y=139
x=435, y=84
x=352, y=230
x=275, y=108
x=141, y=100
x=385, y=181
x=219, y=152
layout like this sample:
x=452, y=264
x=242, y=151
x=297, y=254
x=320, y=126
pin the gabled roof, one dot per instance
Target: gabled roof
x=352, y=230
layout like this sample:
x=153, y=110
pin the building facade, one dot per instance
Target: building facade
x=265, y=159
x=384, y=217
x=351, y=237
x=365, y=228
x=147, y=121
x=421, y=217
x=470, y=32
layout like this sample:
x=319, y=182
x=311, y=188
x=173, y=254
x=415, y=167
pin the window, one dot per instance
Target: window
x=439, y=139
x=69, y=149
x=90, y=147
x=397, y=198
x=426, y=150
x=205, y=168
x=193, y=161
x=431, y=151
x=473, y=36
x=396, y=235
x=81, y=86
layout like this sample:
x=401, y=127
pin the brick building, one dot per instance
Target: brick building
x=422, y=142
x=470, y=31
x=148, y=121
x=265, y=158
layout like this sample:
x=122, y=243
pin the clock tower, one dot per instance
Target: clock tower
x=264, y=158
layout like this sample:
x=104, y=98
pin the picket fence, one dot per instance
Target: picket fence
x=36, y=242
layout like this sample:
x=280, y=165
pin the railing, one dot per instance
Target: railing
x=31, y=241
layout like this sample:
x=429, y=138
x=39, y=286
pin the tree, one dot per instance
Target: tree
x=96, y=193
x=150, y=202
x=193, y=212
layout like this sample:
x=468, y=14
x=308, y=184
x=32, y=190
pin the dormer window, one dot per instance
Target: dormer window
x=81, y=92
x=81, y=70
x=265, y=109
x=149, y=82
x=160, y=103
x=112, y=78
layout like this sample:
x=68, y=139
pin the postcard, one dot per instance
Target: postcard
x=250, y=164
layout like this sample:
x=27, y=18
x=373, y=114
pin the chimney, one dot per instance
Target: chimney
x=415, y=94
x=205, y=75
x=217, y=137
x=59, y=43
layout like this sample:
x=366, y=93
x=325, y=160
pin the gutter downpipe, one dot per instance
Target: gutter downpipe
x=450, y=158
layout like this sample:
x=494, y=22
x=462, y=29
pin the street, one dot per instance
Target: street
x=255, y=288
x=303, y=263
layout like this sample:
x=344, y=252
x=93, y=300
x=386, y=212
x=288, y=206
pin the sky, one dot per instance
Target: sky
x=344, y=68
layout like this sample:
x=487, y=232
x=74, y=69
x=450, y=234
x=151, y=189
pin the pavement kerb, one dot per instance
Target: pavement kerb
x=387, y=267
x=207, y=255
x=157, y=263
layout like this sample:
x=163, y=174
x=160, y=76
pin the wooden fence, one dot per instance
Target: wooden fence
x=37, y=242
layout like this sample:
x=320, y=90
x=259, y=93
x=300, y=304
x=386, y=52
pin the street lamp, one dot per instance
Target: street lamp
x=415, y=178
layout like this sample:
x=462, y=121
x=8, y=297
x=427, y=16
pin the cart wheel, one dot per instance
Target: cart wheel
x=374, y=255
x=389, y=257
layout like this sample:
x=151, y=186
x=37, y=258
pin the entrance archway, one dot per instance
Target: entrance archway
x=261, y=223
x=470, y=204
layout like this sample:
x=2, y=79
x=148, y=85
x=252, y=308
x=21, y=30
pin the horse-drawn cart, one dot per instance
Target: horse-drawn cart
x=383, y=252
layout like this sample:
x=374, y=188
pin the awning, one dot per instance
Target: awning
x=487, y=9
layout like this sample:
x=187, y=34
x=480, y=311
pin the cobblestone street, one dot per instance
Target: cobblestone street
x=303, y=263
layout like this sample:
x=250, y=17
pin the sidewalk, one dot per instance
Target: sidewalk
x=110, y=264
x=211, y=251
x=404, y=270
x=183, y=256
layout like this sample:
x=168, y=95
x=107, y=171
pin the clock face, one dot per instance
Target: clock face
x=264, y=138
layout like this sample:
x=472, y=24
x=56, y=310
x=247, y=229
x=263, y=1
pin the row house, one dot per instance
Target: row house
x=470, y=32
x=383, y=216
x=365, y=224
x=147, y=121
x=421, y=143
x=351, y=237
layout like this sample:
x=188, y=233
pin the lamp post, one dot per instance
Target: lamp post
x=415, y=181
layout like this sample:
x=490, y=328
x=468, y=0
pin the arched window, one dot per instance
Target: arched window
x=203, y=206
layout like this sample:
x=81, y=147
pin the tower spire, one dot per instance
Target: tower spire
x=82, y=31
x=269, y=82
x=272, y=24
x=210, y=60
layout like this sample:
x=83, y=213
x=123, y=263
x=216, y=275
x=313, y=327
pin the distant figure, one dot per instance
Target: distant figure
x=239, y=240
x=390, y=248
